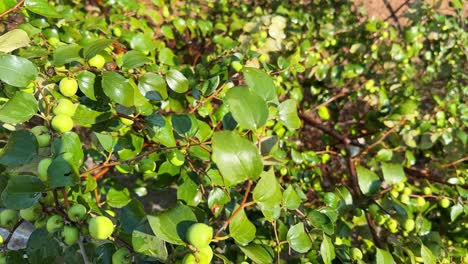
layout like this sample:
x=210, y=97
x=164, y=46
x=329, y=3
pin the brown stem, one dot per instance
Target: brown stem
x=12, y=8
x=393, y=15
x=278, y=243
x=455, y=162
x=65, y=198
x=101, y=173
x=383, y=137
x=211, y=96
x=372, y=227
x=242, y=205
x=398, y=9
x=7, y=240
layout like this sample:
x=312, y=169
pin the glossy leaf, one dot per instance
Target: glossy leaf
x=21, y=148
x=260, y=254
x=267, y=194
x=427, y=255
x=41, y=7
x=247, y=108
x=177, y=81
x=17, y=71
x=22, y=191
x=237, y=158
x=393, y=173
x=85, y=81
x=171, y=225
x=383, y=257
x=327, y=250
x=20, y=108
x=298, y=239
x=152, y=86
x=260, y=83
x=117, y=88
x=149, y=245
x=369, y=182
x=288, y=114
x=241, y=229
x=13, y=40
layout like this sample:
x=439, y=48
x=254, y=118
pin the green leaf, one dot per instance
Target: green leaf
x=291, y=199
x=131, y=216
x=188, y=192
x=21, y=149
x=177, y=81
x=171, y=225
x=455, y=211
x=237, y=158
x=133, y=59
x=181, y=123
x=369, y=182
x=260, y=83
x=149, y=245
x=166, y=56
x=94, y=47
x=260, y=254
x=247, y=108
x=117, y=88
x=268, y=195
x=217, y=198
x=298, y=238
x=62, y=172
x=42, y=247
x=152, y=86
x=288, y=114
x=66, y=54
x=241, y=229
x=427, y=255
x=14, y=39
x=129, y=146
x=41, y=7
x=22, y=191
x=321, y=221
x=70, y=143
x=393, y=173
x=17, y=71
x=85, y=81
x=6, y=4
x=383, y=257
x=118, y=198
x=160, y=130
x=327, y=250
x=20, y=108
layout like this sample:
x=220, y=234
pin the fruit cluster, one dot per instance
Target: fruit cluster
x=199, y=236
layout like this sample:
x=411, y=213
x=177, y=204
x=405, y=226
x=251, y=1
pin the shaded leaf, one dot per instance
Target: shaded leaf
x=260, y=83
x=241, y=229
x=21, y=148
x=22, y=191
x=260, y=254
x=247, y=108
x=369, y=182
x=117, y=88
x=298, y=238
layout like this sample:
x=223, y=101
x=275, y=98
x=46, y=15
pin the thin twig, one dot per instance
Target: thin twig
x=382, y=138
x=278, y=243
x=83, y=252
x=398, y=9
x=12, y=8
x=455, y=162
x=215, y=93
x=7, y=240
x=393, y=15
x=241, y=207
x=65, y=198
x=371, y=224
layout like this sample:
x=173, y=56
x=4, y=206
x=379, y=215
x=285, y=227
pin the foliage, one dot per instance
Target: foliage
x=300, y=132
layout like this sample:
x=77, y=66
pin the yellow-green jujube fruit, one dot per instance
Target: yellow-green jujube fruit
x=8, y=218
x=64, y=107
x=444, y=202
x=68, y=86
x=42, y=168
x=62, y=123
x=409, y=225
x=32, y=213
x=42, y=135
x=323, y=113
x=203, y=255
x=199, y=235
x=77, y=212
x=71, y=234
x=100, y=227
x=122, y=256
x=97, y=61
x=55, y=223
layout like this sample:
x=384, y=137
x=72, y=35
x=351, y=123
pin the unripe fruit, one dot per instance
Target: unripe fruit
x=100, y=227
x=427, y=191
x=323, y=113
x=97, y=61
x=62, y=123
x=237, y=66
x=392, y=225
x=8, y=218
x=42, y=168
x=77, y=212
x=406, y=191
x=54, y=223
x=409, y=225
x=420, y=201
x=42, y=135
x=399, y=186
x=202, y=256
x=70, y=235
x=176, y=158
x=122, y=256
x=40, y=223
x=32, y=213
x=64, y=107
x=444, y=202
x=356, y=253
x=199, y=235
x=1, y=240
x=404, y=198
x=68, y=86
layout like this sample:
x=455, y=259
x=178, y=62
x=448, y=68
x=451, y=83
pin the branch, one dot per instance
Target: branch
x=398, y=9
x=12, y=8
x=7, y=240
x=242, y=206
x=383, y=137
x=372, y=227
x=83, y=252
x=278, y=243
x=455, y=162
x=393, y=15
